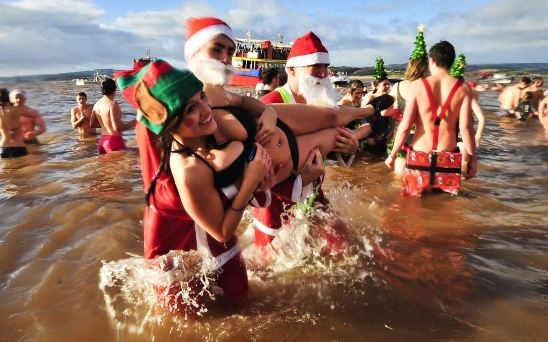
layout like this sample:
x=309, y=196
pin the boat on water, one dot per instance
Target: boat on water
x=254, y=55
x=500, y=78
x=141, y=62
x=339, y=78
x=95, y=79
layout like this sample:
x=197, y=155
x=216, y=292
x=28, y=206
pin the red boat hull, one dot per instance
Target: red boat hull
x=244, y=81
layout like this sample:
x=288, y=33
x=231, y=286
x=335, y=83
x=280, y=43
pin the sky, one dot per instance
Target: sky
x=54, y=36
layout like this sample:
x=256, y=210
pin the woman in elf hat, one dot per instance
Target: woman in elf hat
x=193, y=202
x=416, y=68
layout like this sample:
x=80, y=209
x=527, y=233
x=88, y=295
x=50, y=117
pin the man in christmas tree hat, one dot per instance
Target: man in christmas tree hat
x=433, y=160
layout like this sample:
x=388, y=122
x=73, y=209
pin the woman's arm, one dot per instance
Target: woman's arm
x=228, y=125
x=304, y=119
x=409, y=115
x=478, y=112
x=195, y=184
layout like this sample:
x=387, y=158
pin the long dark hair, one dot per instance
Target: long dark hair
x=165, y=140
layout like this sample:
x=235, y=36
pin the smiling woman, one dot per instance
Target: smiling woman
x=192, y=203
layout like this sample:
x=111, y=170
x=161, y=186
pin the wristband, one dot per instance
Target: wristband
x=238, y=209
x=243, y=208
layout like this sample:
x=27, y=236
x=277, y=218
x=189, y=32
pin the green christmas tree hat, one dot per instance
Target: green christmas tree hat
x=457, y=69
x=420, y=45
x=380, y=70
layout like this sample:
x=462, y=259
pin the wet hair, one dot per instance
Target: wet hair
x=165, y=139
x=416, y=68
x=108, y=86
x=527, y=95
x=443, y=54
x=282, y=78
x=538, y=78
x=269, y=74
x=377, y=82
x=525, y=80
x=4, y=97
x=82, y=94
x=355, y=84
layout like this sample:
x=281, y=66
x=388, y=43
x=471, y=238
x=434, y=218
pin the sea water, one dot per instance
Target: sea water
x=472, y=267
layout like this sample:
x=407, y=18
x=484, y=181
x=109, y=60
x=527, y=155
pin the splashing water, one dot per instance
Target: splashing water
x=179, y=282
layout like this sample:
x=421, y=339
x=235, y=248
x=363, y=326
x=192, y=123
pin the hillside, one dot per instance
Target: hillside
x=56, y=77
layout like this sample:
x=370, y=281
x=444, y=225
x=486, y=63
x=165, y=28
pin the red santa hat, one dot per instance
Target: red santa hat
x=199, y=31
x=307, y=50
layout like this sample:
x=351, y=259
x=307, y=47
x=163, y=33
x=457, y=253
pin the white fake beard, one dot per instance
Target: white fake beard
x=318, y=91
x=211, y=71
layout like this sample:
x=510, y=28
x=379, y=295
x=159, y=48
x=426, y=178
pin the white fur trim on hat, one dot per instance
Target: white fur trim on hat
x=310, y=59
x=200, y=38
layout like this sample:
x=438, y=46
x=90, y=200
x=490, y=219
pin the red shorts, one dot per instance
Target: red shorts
x=111, y=143
x=420, y=174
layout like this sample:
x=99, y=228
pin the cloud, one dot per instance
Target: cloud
x=60, y=36
x=40, y=36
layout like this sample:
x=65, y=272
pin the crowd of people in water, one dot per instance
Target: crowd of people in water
x=206, y=153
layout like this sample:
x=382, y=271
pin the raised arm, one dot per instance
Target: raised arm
x=265, y=115
x=74, y=121
x=304, y=119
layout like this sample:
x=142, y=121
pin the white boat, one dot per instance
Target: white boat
x=497, y=78
x=340, y=79
x=501, y=78
x=95, y=79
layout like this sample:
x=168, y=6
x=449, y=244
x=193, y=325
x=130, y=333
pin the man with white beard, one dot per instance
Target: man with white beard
x=307, y=83
x=297, y=144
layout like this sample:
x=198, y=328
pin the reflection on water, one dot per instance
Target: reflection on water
x=472, y=267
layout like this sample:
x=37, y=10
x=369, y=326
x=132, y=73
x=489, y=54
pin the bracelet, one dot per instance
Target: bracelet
x=243, y=208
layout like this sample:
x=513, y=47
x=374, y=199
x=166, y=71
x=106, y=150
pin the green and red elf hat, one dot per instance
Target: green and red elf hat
x=158, y=90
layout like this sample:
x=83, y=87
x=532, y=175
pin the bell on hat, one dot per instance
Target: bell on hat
x=307, y=50
x=199, y=31
x=159, y=91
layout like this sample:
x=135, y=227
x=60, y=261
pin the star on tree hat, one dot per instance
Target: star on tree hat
x=420, y=45
x=457, y=69
x=159, y=91
x=380, y=70
x=199, y=31
x=307, y=50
